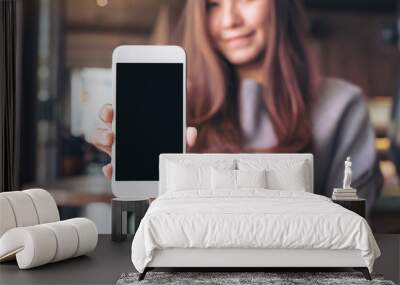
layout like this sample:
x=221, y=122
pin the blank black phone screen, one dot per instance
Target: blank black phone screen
x=149, y=117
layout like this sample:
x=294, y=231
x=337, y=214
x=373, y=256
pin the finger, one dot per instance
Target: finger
x=106, y=114
x=107, y=170
x=103, y=140
x=103, y=137
x=191, y=136
x=106, y=149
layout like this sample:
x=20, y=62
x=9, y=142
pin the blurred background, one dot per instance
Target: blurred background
x=65, y=46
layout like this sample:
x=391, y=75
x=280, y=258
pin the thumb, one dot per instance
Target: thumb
x=191, y=136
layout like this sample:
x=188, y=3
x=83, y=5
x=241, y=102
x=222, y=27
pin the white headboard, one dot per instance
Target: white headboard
x=211, y=157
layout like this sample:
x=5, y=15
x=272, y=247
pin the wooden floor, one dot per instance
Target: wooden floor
x=106, y=264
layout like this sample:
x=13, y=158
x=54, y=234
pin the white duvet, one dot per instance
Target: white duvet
x=250, y=219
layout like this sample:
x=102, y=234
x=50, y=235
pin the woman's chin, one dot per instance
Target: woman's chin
x=242, y=57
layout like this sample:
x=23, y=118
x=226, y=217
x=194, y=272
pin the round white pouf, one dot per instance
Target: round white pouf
x=40, y=244
x=67, y=240
x=45, y=205
x=87, y=233
x=23, y=208
x=33, y=246
x=7, y=218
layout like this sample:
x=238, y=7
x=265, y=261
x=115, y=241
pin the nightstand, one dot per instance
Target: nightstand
x=119, y=211
x=356, y=205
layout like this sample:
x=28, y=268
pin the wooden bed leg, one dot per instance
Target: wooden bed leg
x=143, y=274
x=364, y=271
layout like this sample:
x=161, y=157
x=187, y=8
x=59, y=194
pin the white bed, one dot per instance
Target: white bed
x=248, y=227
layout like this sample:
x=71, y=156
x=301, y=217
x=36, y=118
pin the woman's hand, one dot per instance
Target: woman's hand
x=103, y=138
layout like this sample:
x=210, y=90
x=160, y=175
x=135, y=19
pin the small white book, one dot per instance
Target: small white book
x=341, y=190
x=345, y=194
x=345, y=198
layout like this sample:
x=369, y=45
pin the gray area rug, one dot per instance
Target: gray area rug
x=228, y=278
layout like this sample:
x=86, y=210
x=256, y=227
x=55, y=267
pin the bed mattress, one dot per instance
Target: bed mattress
x=251, y=219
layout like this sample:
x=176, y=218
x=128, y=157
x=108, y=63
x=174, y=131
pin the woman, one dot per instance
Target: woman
x=254, y=87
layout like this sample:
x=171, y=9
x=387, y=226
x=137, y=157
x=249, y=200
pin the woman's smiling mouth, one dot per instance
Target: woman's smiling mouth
x=238, y=41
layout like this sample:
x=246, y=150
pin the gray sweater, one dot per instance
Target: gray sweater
x=340, y=127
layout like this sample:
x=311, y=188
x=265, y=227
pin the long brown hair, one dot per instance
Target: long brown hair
x=289, y=82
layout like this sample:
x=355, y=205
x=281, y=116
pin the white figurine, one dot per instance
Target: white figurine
x=347, y=174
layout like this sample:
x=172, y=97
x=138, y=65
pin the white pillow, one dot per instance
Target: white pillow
x=237, y=179
x=181, y=178
x=192, y=175
x=281, y=174
x=223, y=179
x=251, y=178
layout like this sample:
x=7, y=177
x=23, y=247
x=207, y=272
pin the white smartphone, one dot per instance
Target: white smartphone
x=149, y=91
